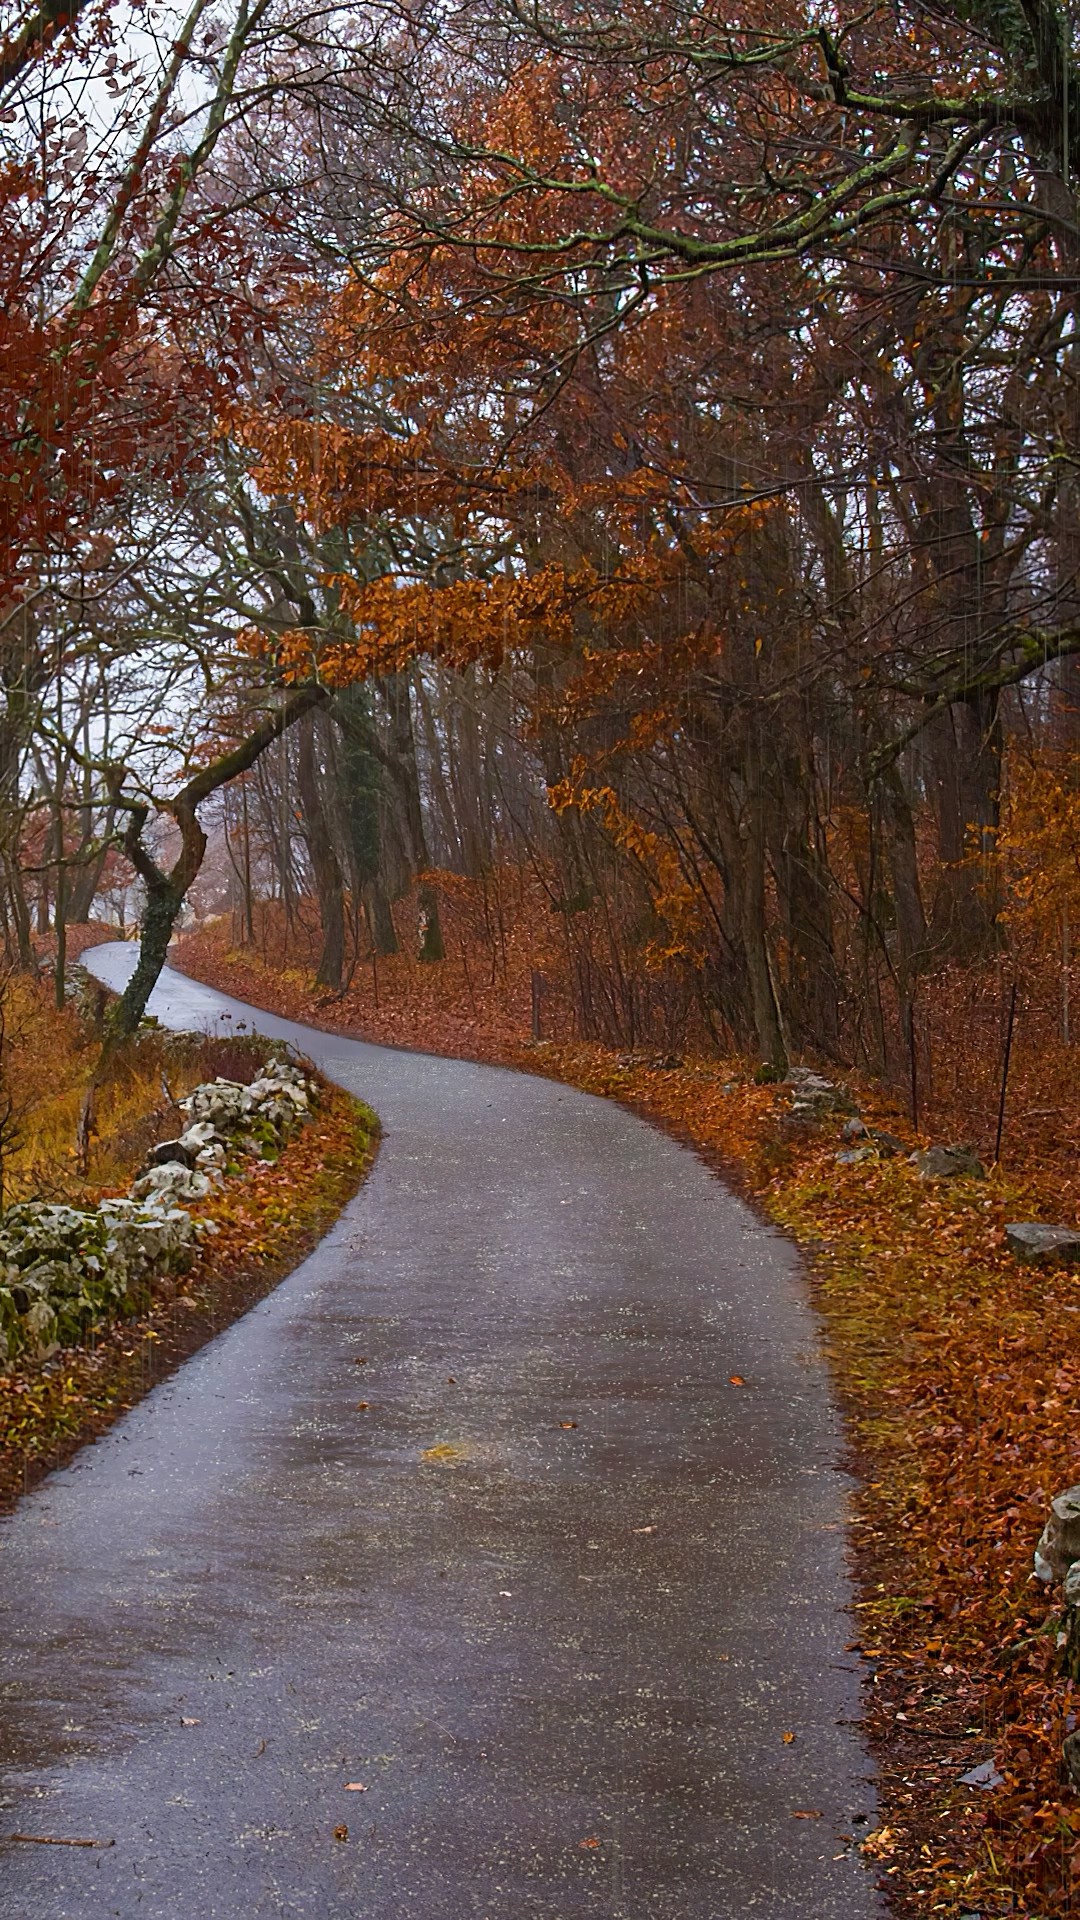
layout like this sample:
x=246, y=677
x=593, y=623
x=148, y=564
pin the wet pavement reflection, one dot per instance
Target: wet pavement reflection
x=531, y=1624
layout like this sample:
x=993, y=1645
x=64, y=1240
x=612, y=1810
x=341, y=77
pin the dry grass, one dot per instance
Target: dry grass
x=46, y=1060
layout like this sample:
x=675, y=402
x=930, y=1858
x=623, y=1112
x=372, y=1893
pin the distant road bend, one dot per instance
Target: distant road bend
x=554, y=1599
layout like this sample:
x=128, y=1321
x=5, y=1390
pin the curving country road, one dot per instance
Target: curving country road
x=562, y=1660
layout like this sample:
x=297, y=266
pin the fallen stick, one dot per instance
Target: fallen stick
x=51, y=1840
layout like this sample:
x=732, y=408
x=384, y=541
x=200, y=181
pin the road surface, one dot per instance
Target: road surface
x=557, y=1599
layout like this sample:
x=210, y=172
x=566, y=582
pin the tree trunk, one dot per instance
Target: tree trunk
x=163, y=904
x=84, y=888
x=380, y=918
x=471, y=798
x=447, y=820
x=965, y=757
x=60, y=929
x=324, y=862
x=811, y=987
x=166, y=892
x=249, y=903
x=407, y=780
x=360, y=808
x=20, y=913
x=898, y=827
x=754, y=931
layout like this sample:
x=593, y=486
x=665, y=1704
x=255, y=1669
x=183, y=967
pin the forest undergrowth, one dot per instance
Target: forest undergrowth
x=958, y=1369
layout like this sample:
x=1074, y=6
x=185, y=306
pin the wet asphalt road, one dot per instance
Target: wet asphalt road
x=561, y=1660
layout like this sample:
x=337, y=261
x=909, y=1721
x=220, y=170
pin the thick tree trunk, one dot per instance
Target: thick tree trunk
x=163, y=905
x=432, y=947
x=360, y=805
x=380, y=918
x=165, y=896
x=965, y=757
x=407, y=781
x=164, y=900
x=324, y=862
x=471, y=798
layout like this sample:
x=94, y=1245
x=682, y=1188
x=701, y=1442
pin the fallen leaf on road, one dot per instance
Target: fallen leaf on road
x=567, y=1425
x=787, y=1738
x=879, y=1844
x=806, y=1813
x=190, y=1723
x=644, y=1529
x=736, y=1380
x=355, y=1786
x=341, y=1833
x=592, y=1841
x=361, y=1406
